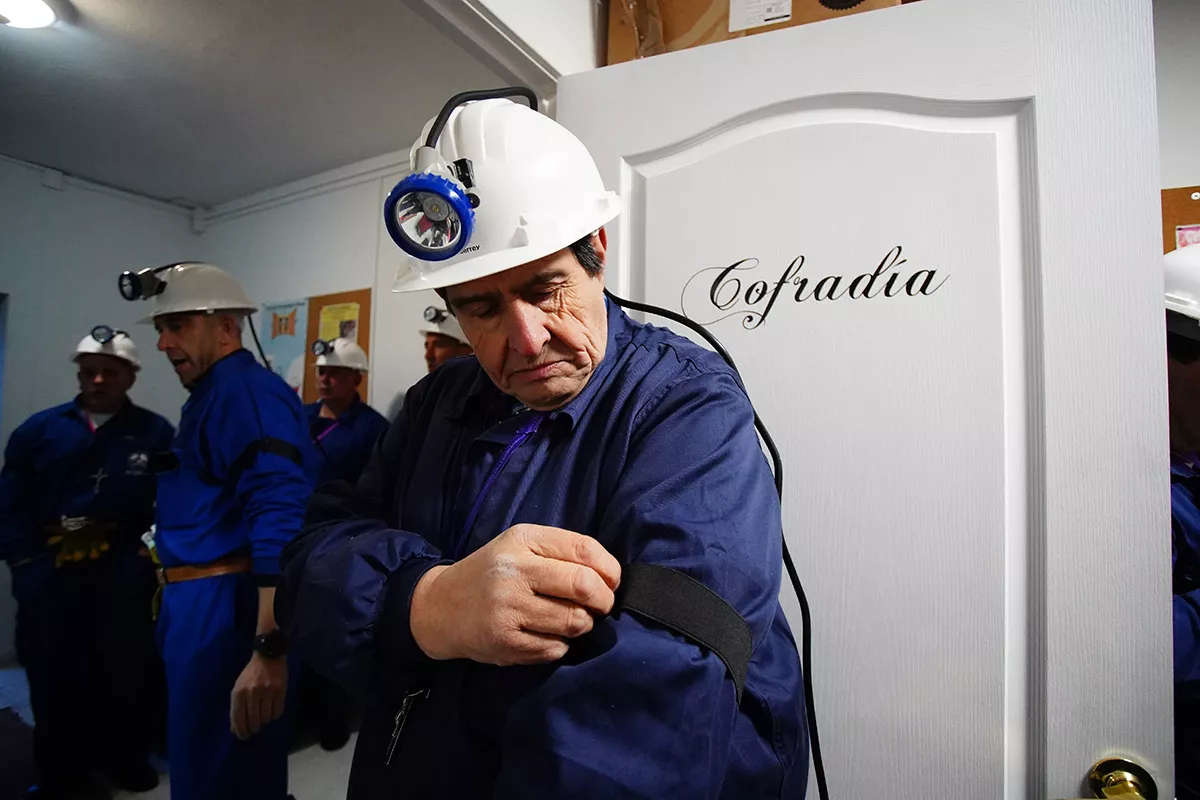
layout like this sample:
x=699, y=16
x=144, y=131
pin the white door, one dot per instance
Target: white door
x=975, y=437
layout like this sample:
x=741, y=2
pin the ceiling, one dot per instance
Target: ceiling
x=203, y=101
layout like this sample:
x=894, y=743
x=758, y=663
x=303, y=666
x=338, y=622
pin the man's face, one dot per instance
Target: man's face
x=440, y=348
x=194, y=342
x=337, y=385
x=539, y=329
x=104, y=382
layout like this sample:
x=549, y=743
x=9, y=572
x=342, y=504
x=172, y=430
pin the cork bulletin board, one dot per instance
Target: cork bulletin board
x=345, y=315
x=1181, y=217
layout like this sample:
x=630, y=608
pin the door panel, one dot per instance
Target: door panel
x=951, y=320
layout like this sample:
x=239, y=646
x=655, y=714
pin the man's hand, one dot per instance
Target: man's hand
x=258, y=695
x=517, y=599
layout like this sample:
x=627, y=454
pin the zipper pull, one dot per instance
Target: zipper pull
x=406, y=706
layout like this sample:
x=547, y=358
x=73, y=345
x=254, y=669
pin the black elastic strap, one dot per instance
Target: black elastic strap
x=689, y=608
x=267, y=444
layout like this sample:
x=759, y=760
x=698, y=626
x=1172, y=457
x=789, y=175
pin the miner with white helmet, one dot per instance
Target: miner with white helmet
x=343, y=427
x=514, y=578
x=231, y=494
x=1182, y=279
x=344, y=430
x=444, y=338
x=76, y=492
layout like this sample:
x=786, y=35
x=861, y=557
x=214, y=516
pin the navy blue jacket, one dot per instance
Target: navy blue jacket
x=55, y=466
x=656, y=458
x=1185, y=559
x=344, y=445
x=216, y=501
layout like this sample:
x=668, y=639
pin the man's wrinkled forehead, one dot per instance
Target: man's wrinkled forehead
x=178, y=318
x=515, y=282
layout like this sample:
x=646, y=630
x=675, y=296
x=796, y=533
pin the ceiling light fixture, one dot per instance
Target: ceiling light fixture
x=26, y=13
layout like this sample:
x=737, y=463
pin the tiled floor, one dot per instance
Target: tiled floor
x=314, y=774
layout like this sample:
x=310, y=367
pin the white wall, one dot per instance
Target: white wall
x=568, y=34
x=60, y=254
x=321, y=235
x=1177, y=56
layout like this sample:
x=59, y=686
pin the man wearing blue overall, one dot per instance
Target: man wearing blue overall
x=230, y=496
x=484, y=584
x=344, y=430
x=76, y=494
x=1182, y=278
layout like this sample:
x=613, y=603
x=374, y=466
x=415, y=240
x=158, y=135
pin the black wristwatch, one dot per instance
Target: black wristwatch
x=272, y=644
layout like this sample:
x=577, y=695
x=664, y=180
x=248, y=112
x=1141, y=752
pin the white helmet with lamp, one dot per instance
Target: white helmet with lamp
x=186, y=287
x=495, y=185
x=1181, y=276
x=107, y=341
x=440, y=322
x=340, y=353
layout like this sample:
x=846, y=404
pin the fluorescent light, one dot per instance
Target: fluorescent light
x=26, y=13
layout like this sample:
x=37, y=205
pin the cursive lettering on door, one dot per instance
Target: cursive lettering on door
x=732, y=290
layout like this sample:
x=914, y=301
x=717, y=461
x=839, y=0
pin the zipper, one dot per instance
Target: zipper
x=406, y=707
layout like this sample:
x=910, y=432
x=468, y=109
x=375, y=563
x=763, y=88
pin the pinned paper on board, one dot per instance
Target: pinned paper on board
x=1187, y=235
x=339, y=321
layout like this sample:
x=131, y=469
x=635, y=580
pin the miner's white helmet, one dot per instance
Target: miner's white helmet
x=107, y=341
x=439, y=321
x=340, y=353
x=495, y=184
x=1181, y=276
x=189, y=287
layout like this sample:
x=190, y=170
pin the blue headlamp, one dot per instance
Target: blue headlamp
x=430, y=214
x=105, y=333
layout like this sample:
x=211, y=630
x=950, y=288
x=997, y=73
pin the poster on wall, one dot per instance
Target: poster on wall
x=285, y=324
x=345, y=315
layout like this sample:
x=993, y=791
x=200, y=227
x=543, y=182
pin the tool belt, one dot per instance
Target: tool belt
x=230, y=565
x=78, y=539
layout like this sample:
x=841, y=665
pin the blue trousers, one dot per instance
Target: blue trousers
x=206, y=636
x=86, y=640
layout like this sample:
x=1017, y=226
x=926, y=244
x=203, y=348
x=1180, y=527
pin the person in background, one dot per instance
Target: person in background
x=468, y=584
x=1183, y=393
x=344, y=430
x=230, y=496
x=343, y=427
x=444, y=338
x=76, y=494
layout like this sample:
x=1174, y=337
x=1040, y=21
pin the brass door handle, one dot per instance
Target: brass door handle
x=1121, y=779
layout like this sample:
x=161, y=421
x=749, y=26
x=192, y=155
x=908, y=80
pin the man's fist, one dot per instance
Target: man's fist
x=516, y=600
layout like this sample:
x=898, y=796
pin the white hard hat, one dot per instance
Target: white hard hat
x=439, y=321
x=533, y=187
x=1181, y=276
x=341, y=353
x=184, y=288
x=107, y=341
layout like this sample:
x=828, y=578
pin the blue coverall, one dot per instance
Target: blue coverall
x=224, y=499
x=85, y=634
x=344, y=445
x=1185, y=555
x=342, y=448
x=656, y=458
